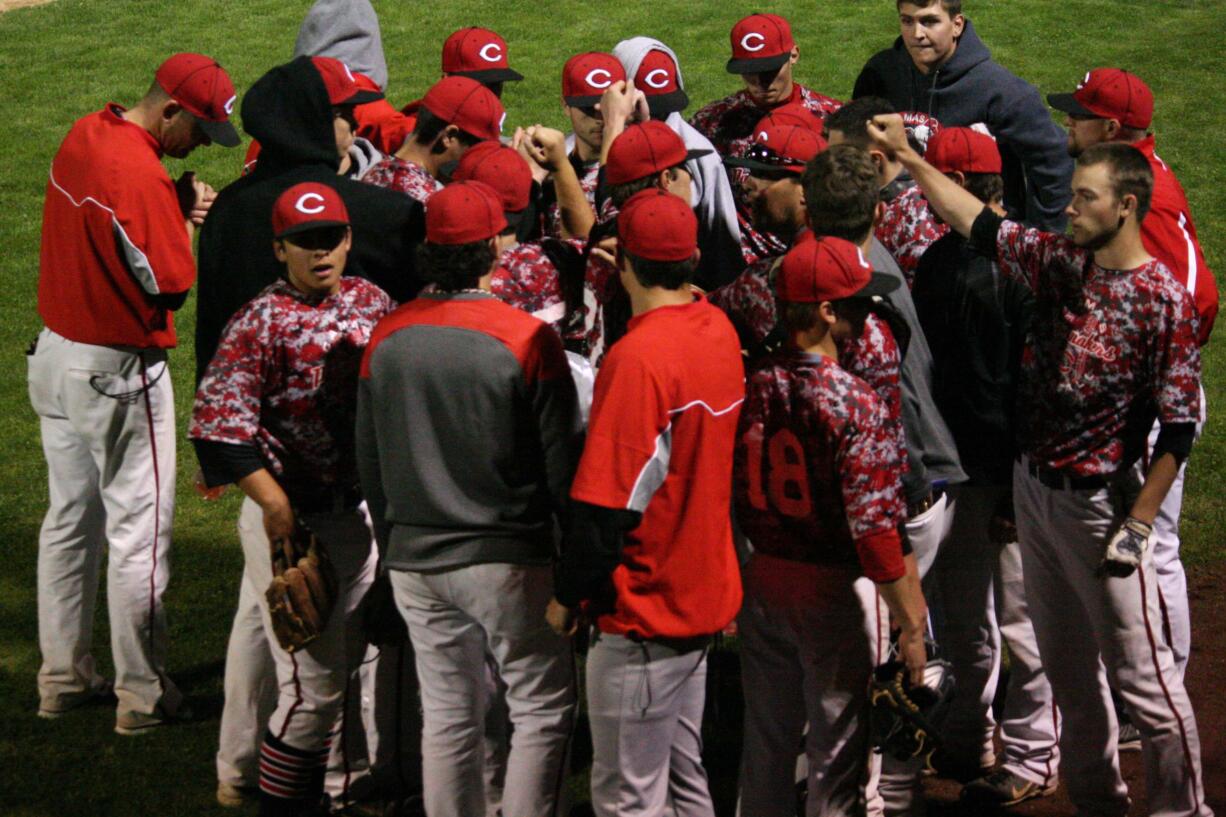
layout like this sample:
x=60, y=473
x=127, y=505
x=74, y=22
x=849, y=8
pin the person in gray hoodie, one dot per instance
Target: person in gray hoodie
x=719, y=235
x=940, y=67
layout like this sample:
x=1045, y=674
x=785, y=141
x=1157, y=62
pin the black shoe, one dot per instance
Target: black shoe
x=1003, y=788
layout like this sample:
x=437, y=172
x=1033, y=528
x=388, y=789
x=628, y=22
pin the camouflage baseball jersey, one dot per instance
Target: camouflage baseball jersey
x=816, y=473
x=874, y=357
x=1108, y=350
x=284, y=379
x=907, y=228
x=409, y=178
x=527, y=279
x=729, y=122
x=755, y=244
x=588, y=176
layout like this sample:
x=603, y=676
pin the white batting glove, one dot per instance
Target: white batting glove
x=1127, y=547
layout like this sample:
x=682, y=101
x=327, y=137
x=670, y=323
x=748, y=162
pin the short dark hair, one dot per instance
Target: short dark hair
x=841, y=193
x=852, y=119
x=987, y=187
x=620, y=193
x=1129, y=169
x=452, y=267
x=798, y=317
x=666, y=274
x=429, y=126
x=952, y=7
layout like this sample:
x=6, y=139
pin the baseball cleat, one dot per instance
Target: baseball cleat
x=1129, y=738
x=229, y=796
x=1003, y=788
x=103, y=693
x=138, y=723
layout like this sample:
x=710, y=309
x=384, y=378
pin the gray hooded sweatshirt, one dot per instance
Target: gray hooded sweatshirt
x=347, y=30
x=719, y=234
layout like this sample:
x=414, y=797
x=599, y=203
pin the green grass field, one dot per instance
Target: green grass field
x=61, y=61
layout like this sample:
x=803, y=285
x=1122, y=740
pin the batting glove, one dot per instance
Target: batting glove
x=1127, y=547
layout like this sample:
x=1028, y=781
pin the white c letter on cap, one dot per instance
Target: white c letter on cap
x=1083, y=83
x=301, y=205
x=348, y=73
x=753, y=36
x=229, y=106
x=663, y=83
x=491, y=48
x=606, y=79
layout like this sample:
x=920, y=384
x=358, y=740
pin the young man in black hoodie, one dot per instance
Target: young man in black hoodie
x=288, y=111
x=940, y=67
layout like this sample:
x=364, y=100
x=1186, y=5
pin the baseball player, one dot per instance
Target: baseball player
x=975, y=322
x=455, y=114
x=818, y=491
x=479, y=54
x=585, y=78
x=1113, y=346
x=906, y=227
x=114, y=236
x=764, y=55
x=938, y=65
x=651, y=559
x=274, y=413
x=467, y=438
x=1112, y=105
x=653, y=69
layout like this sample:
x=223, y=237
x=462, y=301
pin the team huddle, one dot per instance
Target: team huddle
x=879, y=384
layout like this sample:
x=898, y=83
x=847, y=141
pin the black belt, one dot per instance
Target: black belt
x=1060, y=481
x=914, y=509
x=697, y=642
x=326, y=499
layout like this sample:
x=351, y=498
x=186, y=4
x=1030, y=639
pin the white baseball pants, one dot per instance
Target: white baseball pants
x=976, y=581
x=107, y=421
x=1091, y=628
x=809, y=640
x=455, y=617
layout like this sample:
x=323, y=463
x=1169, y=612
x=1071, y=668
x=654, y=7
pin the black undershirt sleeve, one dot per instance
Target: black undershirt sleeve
x=1175, y=439
x=223, y=463
x=984, y=232
x=593, y=549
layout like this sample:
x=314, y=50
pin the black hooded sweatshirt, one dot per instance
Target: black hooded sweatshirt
x=288, y=111
x=971, y=88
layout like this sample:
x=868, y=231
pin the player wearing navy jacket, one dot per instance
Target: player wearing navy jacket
x=651, y=560
x=818, y=492
x=1112, y=348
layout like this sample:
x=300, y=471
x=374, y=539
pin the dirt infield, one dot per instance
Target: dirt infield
x=9, y=5
x=1206, y=669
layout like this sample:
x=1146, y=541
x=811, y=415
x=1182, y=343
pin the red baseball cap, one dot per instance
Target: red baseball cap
x=963, y=149
x=308, y=206
x=467, y=104
x=586, y=77
x=780, y=148
x=464, y=212
x=760, y=42
x=500, y=167
x=479, y=54
x=342, y=85
x=204, y=89
x=792, y=113
x=657, y=226
x=828, y=269
x=657, y=78
x=644, y=148
x=1109, y=93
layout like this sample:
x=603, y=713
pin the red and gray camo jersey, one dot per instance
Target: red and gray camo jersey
x=729, y=122
x=816, y=474
x=749, y=301
x=553, y=216
x=284, y=378
x=527, y=279
x=755, y=245
x=907, y=228
x=1108, y=350
x=409, y=178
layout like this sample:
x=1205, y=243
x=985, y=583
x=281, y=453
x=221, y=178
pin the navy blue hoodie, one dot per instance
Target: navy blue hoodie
x=970, y=88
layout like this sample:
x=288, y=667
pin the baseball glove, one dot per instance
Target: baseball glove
x=904, y=719
x=303, y=590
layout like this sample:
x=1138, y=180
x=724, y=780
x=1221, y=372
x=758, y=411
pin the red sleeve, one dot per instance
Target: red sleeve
x=151, y=233
x=1169, y=235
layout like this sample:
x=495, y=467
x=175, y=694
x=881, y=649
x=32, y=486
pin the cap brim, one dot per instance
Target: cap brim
x=581, y=101
x=751, y=165
x=758, y=64
x=879, y=284
x=491, y=75
x=363, y=96
x=661, y=105
x=222, y=133
x=697, y=153
x=1067, y=104
x=310, y=225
